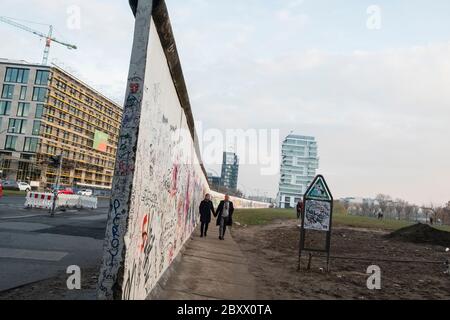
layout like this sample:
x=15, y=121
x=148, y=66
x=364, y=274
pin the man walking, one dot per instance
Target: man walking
x=299, y=209
x=206, y=208
x=225, y=216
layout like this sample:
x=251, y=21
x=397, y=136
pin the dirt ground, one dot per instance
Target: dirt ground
x=272, y=251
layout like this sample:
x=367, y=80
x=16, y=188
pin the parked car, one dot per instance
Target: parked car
x=23, y=186
x=10, y=185
x=86, y=192
x=14, y=185
x=64, y=190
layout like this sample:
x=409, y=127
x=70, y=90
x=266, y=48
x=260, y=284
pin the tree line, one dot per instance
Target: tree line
x=384, y=206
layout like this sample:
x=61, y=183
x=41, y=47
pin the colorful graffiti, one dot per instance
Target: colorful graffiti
x=158, y=184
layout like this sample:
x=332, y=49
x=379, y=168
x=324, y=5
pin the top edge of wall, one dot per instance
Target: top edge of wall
x=161, y=18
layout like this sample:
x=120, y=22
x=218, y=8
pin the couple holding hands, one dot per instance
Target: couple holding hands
x=224, y=215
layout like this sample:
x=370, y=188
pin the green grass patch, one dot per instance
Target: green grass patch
x=369, y=223
x=443, y=228
x=254, y=217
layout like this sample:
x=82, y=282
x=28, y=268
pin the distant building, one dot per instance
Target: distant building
x=214, y=181
x=261, y=199
x=230, y=171
x=298, y=169
x=360, y=201
x=44, y=112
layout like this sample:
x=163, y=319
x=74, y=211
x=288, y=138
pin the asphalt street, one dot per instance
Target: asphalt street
x=35, y=246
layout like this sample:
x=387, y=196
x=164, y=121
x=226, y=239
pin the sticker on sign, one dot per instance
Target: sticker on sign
x=317, y=215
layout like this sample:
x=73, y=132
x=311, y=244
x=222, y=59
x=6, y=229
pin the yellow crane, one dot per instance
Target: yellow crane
x=48, y=38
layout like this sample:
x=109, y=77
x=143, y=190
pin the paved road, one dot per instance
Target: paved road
x=35, y=246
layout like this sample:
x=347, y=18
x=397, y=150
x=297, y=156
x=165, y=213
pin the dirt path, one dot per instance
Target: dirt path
x=272, y=252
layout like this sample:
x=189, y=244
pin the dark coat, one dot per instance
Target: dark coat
x=206, y=208
x=299, y=209
x=220, y=210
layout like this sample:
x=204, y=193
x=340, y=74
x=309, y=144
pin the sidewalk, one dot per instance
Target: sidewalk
x=210, y=269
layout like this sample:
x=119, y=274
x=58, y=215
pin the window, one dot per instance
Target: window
x=36, y=128
x=39, y=94
x=10, y=143
x=42, y=77
x=299, y=180
x=31, y=144
x=5, y=108
x=39, y=111
x=8, y=91
x=23, y=109
x=23, y=93
x=17, y=75
x=61, y=85
x=16, y=126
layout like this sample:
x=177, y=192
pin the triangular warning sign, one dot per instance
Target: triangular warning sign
x=319, y=190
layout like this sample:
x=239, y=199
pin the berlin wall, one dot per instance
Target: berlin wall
x=159, y=180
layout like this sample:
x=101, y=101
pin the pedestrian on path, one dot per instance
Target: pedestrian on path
x=299, y=209
x=224, y=216
x=206, y=208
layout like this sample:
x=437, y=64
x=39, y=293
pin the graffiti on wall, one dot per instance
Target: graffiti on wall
x=166, y=190
x=125, y=162
x=158, y=183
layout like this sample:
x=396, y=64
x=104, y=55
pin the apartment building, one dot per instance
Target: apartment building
x=44, y=112
x=299, y=164
x=230, y=171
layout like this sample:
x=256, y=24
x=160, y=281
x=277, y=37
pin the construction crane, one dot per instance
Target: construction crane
x=48, y=38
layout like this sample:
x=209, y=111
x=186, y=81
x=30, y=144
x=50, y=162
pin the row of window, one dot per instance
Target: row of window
x=18, y=126
x=101, y=122
x=66, y=120
x=18, y=75
x=23, y=109
x=84, y=98
x=30, y=145
x=39, y=94
x=79, y=156
x=72, y=139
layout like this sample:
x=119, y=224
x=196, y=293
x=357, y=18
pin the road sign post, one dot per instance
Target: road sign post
x=317, y=215
x=57, y=161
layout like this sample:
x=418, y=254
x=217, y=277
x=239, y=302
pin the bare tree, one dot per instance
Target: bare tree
x=383, y=202
x=411, y=212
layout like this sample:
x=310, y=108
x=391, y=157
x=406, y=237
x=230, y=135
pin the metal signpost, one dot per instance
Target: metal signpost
x=317, y=215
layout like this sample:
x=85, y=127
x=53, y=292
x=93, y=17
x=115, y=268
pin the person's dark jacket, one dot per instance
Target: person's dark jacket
x=299, y=209
x=220, y=211
x=206, y=208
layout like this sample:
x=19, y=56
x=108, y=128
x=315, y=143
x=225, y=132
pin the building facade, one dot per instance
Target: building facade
x=230, y=171
x=214, y=181
x=45, y=112
x=299, y=165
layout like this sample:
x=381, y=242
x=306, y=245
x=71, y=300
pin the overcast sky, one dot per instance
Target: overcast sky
x=377, y=100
